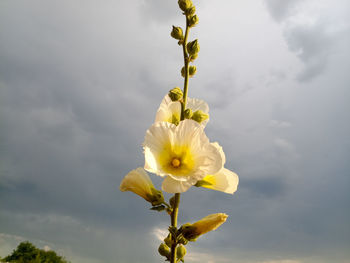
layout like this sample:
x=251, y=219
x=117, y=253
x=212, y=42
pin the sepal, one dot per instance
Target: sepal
x=159, y=208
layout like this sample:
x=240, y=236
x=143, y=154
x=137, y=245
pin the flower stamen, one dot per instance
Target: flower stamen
x=176, y=163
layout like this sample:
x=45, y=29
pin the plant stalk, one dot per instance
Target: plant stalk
x=174, y=224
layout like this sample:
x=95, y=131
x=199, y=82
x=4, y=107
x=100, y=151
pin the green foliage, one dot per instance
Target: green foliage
x=26, y=252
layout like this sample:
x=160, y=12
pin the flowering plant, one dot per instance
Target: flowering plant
x=177, y=148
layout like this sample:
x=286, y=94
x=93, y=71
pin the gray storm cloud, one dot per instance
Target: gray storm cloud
x=80, y=83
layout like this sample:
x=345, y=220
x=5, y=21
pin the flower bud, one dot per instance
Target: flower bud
x=188, y=113
x=138, y=182
x=185, y=4
x=211, y=222
x=180, y=252
x=164, y=250
x=193, y=47
x=192, y=70
x=193, y=57
x=199, y=116
x=192, y=21
x=168, y=241
x=175, y=94
x=183, y=72
x=177, y=33
x=190, y=11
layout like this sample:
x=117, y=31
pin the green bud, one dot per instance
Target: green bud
x=183, y=72
x=175, y=94
x=199, y=116
x=168, y=241
x=191, y=71
x=188, y=113
x=193, y=47
x=193, y=20
x=164, y=250
x=185, y=4
x=177, y=33
x=193, y=57
x=180, y=252
x=190, y=11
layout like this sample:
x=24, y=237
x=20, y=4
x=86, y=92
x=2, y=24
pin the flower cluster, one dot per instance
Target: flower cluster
x=177, y=149
x=180, y=152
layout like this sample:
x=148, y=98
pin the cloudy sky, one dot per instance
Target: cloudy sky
x=80, y=82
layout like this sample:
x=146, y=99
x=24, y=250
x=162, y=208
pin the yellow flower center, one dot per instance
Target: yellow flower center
x=175, y=163
x=176, y=159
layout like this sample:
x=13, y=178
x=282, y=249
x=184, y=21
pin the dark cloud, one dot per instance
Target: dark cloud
x=79, y=85
x=312, y=40
x=313, y=45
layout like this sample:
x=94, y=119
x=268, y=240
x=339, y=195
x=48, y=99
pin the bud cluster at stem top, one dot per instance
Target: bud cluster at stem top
x=185, y=5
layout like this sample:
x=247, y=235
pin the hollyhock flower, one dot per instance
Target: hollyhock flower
x=182, y=154
x=170, y=111
x=138, y=182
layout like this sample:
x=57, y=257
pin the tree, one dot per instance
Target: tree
x=26, y=252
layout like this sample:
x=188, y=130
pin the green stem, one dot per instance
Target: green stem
x=183, y=107
x=186, y=62
x=174, y=224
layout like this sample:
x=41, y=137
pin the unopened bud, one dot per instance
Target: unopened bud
x=183, y=73
x=192, y=70
x=193, y=47
x=199, y=116
x=175, y=94
x=164, y=250
x=209, y=223
x=193, y=20
x=190, y=11
x=180, y=252
x=138, y=182
x=177, y=33
x=168, y=241
x=193, y=57
x=185, y=4
x=188, y=113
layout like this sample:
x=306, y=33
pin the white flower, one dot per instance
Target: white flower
x=138, y=182
x=170, y=111
x=225, y=181
x=182, y=153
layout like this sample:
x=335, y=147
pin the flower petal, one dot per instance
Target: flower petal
x=158, y=135
x=210, y=160
x=225, y=181
x=173, y=186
